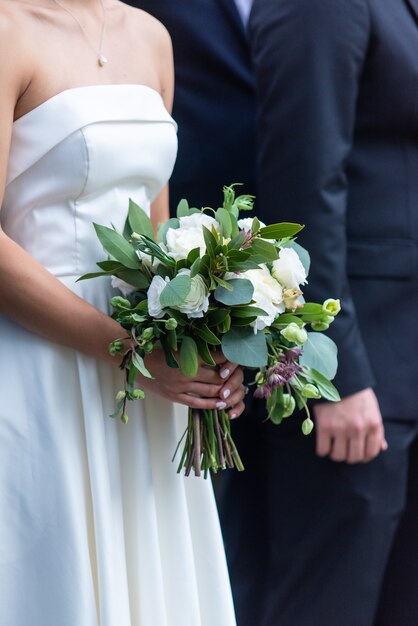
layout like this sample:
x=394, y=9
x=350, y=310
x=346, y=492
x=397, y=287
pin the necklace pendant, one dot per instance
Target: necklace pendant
x=102, y=60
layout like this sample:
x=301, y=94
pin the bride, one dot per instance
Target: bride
x=96, y=527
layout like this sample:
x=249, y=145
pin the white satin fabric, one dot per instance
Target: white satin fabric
x=96, y=527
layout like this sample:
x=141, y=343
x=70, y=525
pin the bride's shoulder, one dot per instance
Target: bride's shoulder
x=149, y=27
x=12, y=28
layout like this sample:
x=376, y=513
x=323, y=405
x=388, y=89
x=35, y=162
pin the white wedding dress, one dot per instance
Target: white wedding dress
x=96, y=526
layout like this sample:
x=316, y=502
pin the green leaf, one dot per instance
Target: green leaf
x=182, y=208
x=243, y=346
x=242, y=292
x=139, y=220
x=255, y=226
x=189, y=362
x=327, y=389
x=172, y=339
x=319, y=352
x=238, y=255
x=175, y=292
x=204, y=352
x=117, y=246
x=93, y=275
x=195, y=268
x=173, y=222
x=216, y=316
x=225, y=284
x=210, y=241
x=109, y=266
x=134, y=278
x=247, y=311
x=138, y=361
x=237, y=241
x=224, y=218
x=207, y=335
x=169, y=357
x=285, y=319
x=242, y=266
x=279, y=231
x=193, y=255
x=263, y=251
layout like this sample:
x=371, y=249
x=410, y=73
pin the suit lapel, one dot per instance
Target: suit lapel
x=413, y=5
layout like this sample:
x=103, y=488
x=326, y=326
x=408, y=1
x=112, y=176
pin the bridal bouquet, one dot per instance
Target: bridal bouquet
x=211, y=281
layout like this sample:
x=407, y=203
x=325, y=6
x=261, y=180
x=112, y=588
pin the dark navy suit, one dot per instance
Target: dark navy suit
x=214, y=102
x=337, y=82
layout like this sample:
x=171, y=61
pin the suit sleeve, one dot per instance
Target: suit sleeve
x=309, y=57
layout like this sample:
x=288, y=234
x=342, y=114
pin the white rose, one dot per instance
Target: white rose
x=197, y=300
x=246, y=224
x=268, y=295
x=189, y=235
x=154, y=292
x=124, y=287
x=288, y=269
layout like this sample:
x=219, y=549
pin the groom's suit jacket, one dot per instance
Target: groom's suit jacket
x=214, y=103
x=338, y=130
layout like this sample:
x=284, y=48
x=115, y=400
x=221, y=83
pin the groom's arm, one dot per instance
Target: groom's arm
x=309, y=56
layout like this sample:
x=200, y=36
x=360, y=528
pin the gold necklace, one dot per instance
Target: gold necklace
x=101, y=59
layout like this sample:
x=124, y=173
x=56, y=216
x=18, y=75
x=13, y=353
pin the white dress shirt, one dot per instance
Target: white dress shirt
x=244, y=8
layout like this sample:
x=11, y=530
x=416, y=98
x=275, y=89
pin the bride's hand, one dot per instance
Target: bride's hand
x=211, y=388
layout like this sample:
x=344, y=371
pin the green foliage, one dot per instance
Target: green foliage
x=189, y=362
x=175, y=292
x=139, y=221
x=320, y=353
x=243, y=346
x=242, y=292
x=117, y=246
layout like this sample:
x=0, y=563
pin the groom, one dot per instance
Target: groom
x=338, y=151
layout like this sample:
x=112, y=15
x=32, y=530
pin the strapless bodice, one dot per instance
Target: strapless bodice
x=77, y=159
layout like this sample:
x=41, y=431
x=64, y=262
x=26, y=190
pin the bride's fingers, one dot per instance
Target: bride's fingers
x=199, y=403
x=203, y=389
x=236, y=410
x=233, y=383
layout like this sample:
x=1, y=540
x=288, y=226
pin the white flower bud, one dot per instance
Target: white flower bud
x=295, y=333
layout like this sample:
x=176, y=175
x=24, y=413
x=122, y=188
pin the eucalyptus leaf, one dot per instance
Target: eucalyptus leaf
x=182, y=208
x=242, y=292
x=243, y=346
x=319, y=352
x=175, y=292
x=116, y=245
x=139, y=220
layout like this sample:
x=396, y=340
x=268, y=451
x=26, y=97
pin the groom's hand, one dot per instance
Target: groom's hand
x=350, y=430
